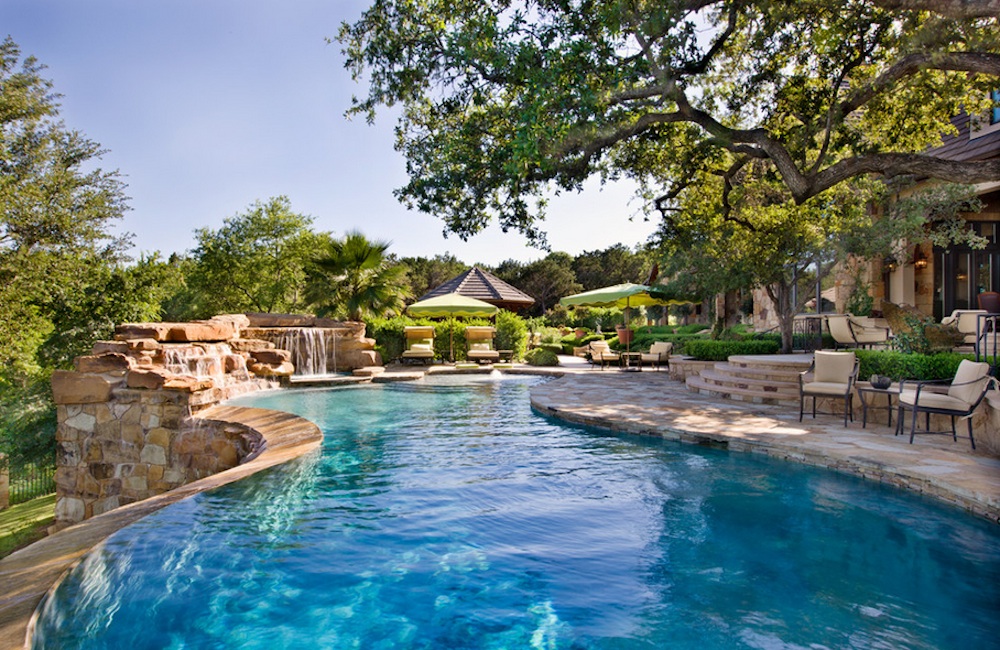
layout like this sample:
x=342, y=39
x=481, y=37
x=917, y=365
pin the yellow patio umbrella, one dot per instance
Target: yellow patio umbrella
x=624, y=296
x=451, y=305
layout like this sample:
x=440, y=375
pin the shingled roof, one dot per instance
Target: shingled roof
x=480, y=284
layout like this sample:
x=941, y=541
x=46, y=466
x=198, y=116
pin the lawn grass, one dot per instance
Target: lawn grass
x=25, y=523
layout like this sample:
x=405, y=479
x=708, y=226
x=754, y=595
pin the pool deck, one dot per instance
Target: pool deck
x=644, y=403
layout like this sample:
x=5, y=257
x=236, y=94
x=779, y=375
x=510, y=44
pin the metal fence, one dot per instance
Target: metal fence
x=30, y=481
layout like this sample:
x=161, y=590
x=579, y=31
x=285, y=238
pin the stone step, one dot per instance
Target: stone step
x=794, y=362
x=775, y=374
x=764, y=385
x=732, y=392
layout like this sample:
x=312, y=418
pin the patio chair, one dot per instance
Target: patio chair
x=479, y=340
x=419, y=343
x=601, y=353
x=990, y=301
x=847, y=331
x=659, y=354
x=964, y=320
x=961, y=398
x=834, y=374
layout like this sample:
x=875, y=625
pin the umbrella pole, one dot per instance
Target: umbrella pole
x=451, y=339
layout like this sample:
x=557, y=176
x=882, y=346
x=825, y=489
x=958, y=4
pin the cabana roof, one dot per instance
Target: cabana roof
x=482, y=285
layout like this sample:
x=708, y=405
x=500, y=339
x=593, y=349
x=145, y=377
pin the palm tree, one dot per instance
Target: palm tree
x=355, y=279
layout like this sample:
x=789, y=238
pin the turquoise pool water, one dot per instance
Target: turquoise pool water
x=452, y=516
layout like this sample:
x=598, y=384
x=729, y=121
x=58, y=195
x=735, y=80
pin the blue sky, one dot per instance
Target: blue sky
x=208, y=105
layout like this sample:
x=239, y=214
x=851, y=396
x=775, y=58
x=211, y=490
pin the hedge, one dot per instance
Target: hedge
x=900, y=365
x=722, y=350
x=541, y=357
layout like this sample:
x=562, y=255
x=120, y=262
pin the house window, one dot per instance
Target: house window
x=995, y=112
x=961, y=273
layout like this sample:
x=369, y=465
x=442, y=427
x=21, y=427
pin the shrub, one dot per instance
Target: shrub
x=722, y=350
x=541, y=357
x=570, y=342
x=899, y=365
x=390, y=341
x=512, y=333
x=693, y=328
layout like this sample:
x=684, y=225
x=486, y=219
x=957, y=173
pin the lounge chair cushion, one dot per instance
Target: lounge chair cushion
x=968, y=371
x=421, y=347
x=933, y=400
x=826, y=388
x=833, y=368
x=480, y=347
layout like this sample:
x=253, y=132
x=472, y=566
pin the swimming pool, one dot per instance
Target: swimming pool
x=452, y=516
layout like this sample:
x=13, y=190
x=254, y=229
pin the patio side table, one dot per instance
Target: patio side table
x=631, y=361
x=867, y=392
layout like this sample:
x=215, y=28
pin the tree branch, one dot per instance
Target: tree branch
x=947, y=8
x=980, y=62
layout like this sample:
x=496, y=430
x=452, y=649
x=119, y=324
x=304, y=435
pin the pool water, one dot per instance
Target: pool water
x=452, y=516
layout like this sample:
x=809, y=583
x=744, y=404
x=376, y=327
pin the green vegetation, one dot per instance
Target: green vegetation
x=25, y=523
x=900, y=365
x=541, y=357
x=722, y=350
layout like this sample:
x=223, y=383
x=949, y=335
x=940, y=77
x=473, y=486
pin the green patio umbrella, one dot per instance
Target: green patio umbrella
x=624, y=296
x=451, y=305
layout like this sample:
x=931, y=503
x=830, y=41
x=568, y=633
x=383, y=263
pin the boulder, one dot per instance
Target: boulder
x=188, y=384
x=74, y=388
x=155, y=331
x=108, y=362
x=272, y=356
x=202, y=331
x=148, y=378
x=271, y=369
x=100, y=347
x=280, y=320
x=250, y=345
x=142, y=345
x=239, y=320
x=235, y=363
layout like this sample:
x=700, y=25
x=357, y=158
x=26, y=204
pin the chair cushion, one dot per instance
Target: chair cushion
x=661, y=347
x=825, y=388
x=833, y=367
x=969, y=371
x=933, y=400
x=480, y=346
x=421, y=347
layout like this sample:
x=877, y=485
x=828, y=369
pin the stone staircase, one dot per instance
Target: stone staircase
x=765, y=379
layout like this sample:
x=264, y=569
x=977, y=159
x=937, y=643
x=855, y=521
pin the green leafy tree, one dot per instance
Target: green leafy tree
x=546, y=280
x=426, y=273
x=503, y=99
x=354, y=278
x=255, y=263
x=57, y=208
x=614, y=265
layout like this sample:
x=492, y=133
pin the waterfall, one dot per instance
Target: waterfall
x=307, y=346
x=203, y=362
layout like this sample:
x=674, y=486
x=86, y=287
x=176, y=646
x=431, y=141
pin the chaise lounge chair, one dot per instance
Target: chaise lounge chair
x=849, y=332
x=480, y=344
x=601, y=353
x=419, y=344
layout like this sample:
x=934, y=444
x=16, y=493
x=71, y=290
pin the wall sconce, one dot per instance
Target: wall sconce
x=919, y=259
x=961, y=276
x=889, y=264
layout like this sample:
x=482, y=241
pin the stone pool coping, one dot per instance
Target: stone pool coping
x=647, y=403
x=652, y=404
x=27, y=575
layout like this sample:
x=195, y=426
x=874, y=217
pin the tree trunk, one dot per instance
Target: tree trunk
x=781, y=297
